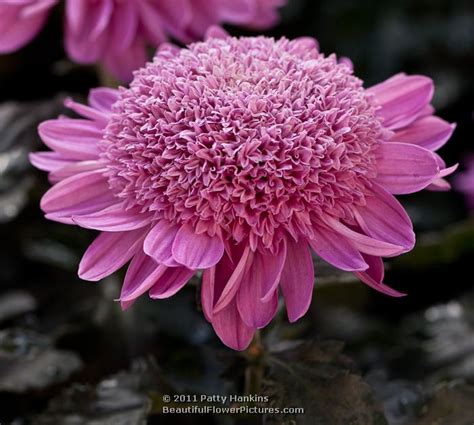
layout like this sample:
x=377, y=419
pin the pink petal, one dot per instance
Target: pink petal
x=103, y=98
x=384, y=218
x=73, y=138
x=439, y=185
x=237, y=11
x=297, y=279
x=215, y=31
x=33, y=8
x=142, y=274
x=170, y=282
x=152, y=22
x=257, y=297
x=402, y=98
x=268, y=270
x=303, y=45
x=364, y=243
x=108, y=253
x=404, y=168
x=48, y=161
x=231, y=329
x=71, y=169
x=196, y=251
x=336, y=250
x=18, y=29
x=76, y=13
x=448, y=171
x=204, y=14
x=123, y=26
x=167, y=50
x=346, y=61
x=114, y=219
x=429, y=132
x=266, y=14
x=87, y=112
x=230, y=282
x=80, y=194
x=373, y=277
x=159, y=242
x=176, y=14
x=85, y=27
x=214, y=280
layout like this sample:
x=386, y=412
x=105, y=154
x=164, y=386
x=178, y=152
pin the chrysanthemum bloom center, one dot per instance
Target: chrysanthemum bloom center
x=249, y=138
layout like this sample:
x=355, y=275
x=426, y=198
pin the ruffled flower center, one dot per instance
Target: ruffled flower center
x=249, y=137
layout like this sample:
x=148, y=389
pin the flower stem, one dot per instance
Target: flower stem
x=255, y=369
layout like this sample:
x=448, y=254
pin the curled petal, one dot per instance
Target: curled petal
x=374, y=275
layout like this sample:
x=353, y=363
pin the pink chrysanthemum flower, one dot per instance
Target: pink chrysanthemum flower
x=116, y=32
x=464, y=182
x=238, y=156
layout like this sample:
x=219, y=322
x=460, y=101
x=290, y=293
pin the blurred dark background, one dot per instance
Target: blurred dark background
x=69, y=355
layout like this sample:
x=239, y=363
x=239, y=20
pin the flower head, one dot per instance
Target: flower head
x=116, y=32
x=239, y=156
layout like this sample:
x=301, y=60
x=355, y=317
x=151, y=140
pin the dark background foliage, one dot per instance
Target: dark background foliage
x=68, y=354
